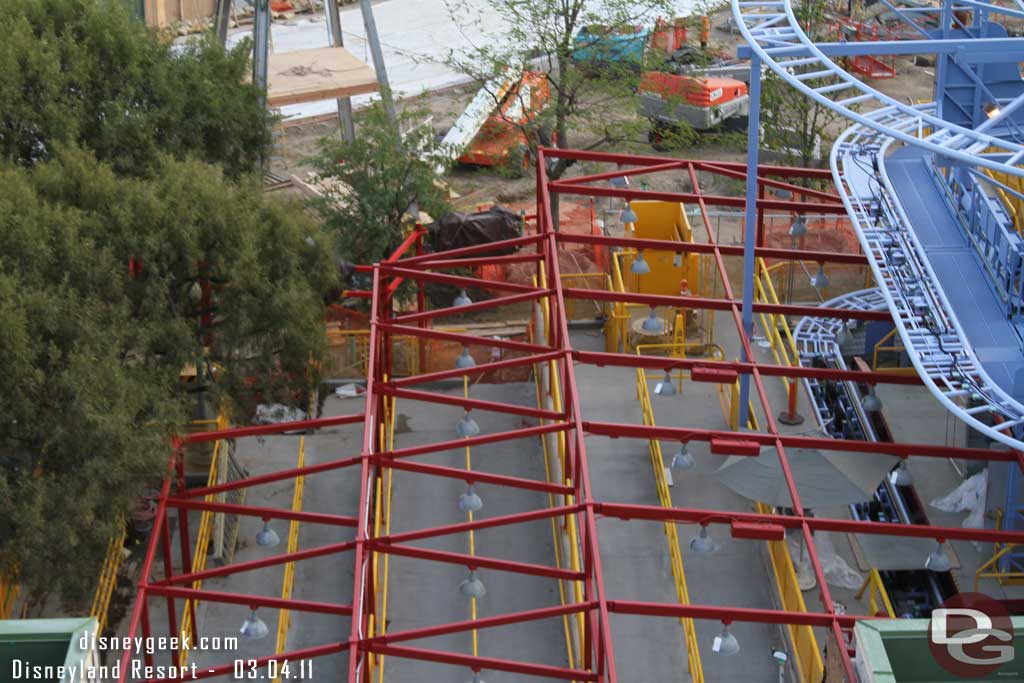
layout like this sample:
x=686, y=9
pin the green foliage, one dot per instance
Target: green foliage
x=372, y=181
x=91, y=354
x=794, y=125
x=83, y=72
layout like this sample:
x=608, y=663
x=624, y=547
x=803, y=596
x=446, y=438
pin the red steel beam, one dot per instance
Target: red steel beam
x=259, y=563
x=263, y=512
x=142, y=595
x=479, y=369
x=372, y=410
x=634, y=431
x=730, y=614
x=252, y=601
x=479, y=440
x=264, y=430
x=270, y=477
x=625, y=173
x=479, y=524
x=601, y=625
x=465, y=339
x=483, y=623
x=469, y=308
x=469, y=403
x=479, y=663
x=571, y=187
x=768, y=182
x=456, y=280
x=700, y=164
x=474, y=561
x=500, y=245
x=704, y=516
x=602, y=358
x=476, y=476
x=474, y=261
x=700, y=302
x=711, y=248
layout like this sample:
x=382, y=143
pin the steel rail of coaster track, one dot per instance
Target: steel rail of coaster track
x=931, y=332
x=817, y=338
x=773, y=32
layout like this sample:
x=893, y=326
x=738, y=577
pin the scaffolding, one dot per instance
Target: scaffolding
x=561, y=425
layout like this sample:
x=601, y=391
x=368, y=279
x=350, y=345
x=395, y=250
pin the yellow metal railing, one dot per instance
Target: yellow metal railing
x=287, y=583
x=1000, y=575
x=882, y=347
x=599, y=281
x=878, y=597
x=9, y=590
x=693, y=661
x=202, y=539
x=108, y=580
x=1014, y=205
x=555, y=447
x=809, y=665
x=381, y=564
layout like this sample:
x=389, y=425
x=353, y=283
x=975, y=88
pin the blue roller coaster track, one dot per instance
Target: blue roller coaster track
x=944, y=251
x=927, y=189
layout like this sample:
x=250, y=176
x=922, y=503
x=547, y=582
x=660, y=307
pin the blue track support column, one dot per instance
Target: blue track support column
x=750, y=226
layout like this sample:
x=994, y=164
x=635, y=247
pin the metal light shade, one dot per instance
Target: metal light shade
x=665, y=387
x=653, y=323
x=798, y=229
x=464, y=360
x=843, y=336
x=903, y=476
x=702, y=543
x=682, y=460
x=628, y=214
x=640, y=265
x=938, y=560
x=871, y=403
x=470, y=501
x=472, y=587
x=726, y=643
x=820, y=280
x=462, y=299
x=476, y=678
x=467, y=426
x=267, y=537
x=253, y=627
x=619, y=182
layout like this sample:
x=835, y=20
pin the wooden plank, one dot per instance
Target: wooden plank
x=322, y=73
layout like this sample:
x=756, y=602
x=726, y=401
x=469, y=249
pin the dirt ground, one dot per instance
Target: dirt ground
x=483, y=186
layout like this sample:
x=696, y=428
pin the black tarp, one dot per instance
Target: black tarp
x=457, y=230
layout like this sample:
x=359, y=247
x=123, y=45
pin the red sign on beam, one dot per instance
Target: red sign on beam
x=757, y=531
x=716, y=375
x=722, y=446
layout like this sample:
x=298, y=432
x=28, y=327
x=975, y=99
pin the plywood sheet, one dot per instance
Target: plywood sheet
x=321, y=73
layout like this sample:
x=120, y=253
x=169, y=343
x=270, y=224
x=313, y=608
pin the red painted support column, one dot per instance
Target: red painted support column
x=172, y=616
x=185, y=542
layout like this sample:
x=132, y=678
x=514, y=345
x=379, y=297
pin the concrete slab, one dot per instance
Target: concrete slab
x=423, y=593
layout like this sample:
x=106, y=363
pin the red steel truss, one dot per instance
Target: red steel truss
x=598, y=663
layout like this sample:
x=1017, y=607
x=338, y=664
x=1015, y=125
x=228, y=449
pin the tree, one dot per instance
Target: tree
x=541, y=33
x=85, y=72
x=794, y=125
x=371, y=183
x=108, y=288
